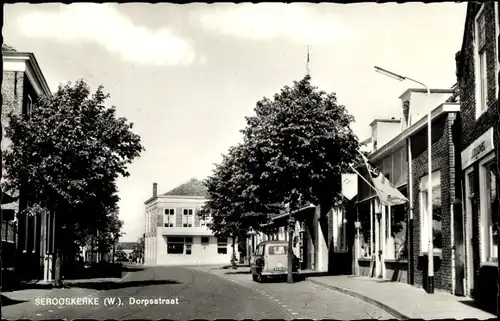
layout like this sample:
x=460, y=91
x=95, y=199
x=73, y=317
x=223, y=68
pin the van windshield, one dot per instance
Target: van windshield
x=278, y=250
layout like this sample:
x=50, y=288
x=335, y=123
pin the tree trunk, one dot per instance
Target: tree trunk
x=233, y=260
x=290, y=249
x=114, y=250
x=57, y=262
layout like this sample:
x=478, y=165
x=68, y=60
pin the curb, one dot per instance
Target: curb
x=365, y=298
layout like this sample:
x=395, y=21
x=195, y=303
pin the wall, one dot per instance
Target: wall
x=386, y=130
x=12, y=94
x=473, y=128
x=200, y=254
x=420, y=103
x=443, y=160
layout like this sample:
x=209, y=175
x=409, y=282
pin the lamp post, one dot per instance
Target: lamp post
x=430, y=255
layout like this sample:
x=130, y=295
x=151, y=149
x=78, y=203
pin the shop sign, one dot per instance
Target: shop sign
x=478, y=149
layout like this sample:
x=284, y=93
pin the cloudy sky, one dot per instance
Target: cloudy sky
x=186, y=75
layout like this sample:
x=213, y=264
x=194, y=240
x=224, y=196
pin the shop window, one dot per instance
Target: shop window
x=490, y=212
x=175, y=245
x=436, y=212
x=399, y=230
x=204, y=240
x=364, y=232
x=222, y=245
x=340, y=230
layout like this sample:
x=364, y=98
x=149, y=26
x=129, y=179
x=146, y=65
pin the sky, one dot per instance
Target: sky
x=187, y=75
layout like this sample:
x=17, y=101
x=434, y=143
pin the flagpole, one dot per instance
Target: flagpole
x=366, y=181
x=308, y=70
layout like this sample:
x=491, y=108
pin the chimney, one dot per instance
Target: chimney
x=155, y=189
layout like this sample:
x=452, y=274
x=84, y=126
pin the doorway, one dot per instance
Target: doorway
x=471, y=245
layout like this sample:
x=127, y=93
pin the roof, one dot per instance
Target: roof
x=392, y=120
x=422, y=90
x=193, y=187
x=274, y=242
x=410, y=131
x=30, y=58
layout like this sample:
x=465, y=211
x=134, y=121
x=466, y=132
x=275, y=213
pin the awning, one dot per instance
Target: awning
x=6, y=198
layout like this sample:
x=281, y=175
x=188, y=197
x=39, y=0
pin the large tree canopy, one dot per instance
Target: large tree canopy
x=235, y=204
x=304, y=137
x=67, y=154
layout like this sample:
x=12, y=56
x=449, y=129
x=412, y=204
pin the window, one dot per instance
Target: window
x=278, y=250
x=169, y=217
x=340, y=232
x=203, y=222
x=204, y=240
x=187, y=218
x=481, y=64
x=189, y=243
x=260, y=250
x=489, y=212
x=436, y=212
x=222, y=245
x=175, y=245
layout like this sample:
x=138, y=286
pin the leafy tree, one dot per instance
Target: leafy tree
x=66, y=156
x=304, y=137
x=108, y=233
x=235, y=204
x=139, y=248
x=7, y=48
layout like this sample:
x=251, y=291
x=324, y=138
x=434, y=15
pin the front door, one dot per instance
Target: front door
x=458, y=225
x=471, y=239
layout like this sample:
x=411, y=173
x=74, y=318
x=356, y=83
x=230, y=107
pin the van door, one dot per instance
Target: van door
x=258, y=253
x=276, y=258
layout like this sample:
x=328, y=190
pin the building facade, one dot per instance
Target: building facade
x=322, y=236
x=394, y=240
x=30, y=248
x=175, y=234
x=477, y=74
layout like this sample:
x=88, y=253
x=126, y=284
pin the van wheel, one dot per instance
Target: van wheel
x=260, y=278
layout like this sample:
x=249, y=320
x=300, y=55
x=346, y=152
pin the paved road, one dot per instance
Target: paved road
x=199, y=293
x=305, y=300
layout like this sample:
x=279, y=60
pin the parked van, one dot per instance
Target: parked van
x=271, y=260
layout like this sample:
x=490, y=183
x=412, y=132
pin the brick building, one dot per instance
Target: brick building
x=23, y=82
x=394, y=241
x=477, y=74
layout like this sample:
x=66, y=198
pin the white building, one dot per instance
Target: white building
x=176, y=234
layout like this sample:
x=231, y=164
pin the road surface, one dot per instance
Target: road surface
x=184, y=293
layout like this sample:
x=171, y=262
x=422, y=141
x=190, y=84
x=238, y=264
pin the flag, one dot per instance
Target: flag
x=387, y=193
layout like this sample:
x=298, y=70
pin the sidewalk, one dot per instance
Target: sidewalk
x=403, y=300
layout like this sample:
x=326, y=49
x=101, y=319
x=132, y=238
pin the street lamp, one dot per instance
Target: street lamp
x=430, y=267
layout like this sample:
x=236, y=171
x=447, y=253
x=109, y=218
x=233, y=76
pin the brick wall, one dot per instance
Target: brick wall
x=471, y=129
x=443, y=158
